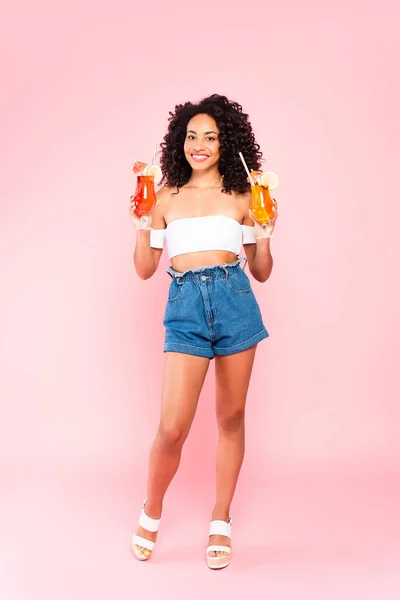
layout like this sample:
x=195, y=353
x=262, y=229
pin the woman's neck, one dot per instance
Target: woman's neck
x=205, y=179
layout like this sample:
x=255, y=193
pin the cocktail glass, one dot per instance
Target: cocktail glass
x=144, y=198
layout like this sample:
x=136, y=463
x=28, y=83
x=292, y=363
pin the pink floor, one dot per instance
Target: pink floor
x=301, y=536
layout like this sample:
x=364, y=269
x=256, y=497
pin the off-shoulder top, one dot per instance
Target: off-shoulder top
x=197, y=234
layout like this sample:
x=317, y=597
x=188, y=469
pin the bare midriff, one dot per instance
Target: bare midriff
x=207, y=258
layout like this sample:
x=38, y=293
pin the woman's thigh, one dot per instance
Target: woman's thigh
x=183, y=380
x=233, y=375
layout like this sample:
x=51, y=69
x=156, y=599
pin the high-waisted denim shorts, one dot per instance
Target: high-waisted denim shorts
x=212, y=311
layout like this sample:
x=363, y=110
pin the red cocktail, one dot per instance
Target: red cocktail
x=145, y=197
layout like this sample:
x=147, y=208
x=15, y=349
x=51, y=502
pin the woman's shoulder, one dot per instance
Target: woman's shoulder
x=242, y=205
x=159, y=210
x=243, y=200
x=164, y=193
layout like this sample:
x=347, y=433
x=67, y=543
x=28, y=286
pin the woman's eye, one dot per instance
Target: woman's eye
x=211, y=139
x=190, y=137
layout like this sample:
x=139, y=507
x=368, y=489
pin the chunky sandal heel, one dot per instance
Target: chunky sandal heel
x=150, y=525
x=219, y=528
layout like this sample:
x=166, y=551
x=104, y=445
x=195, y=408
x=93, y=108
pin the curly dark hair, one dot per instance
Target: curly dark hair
x=236, y=135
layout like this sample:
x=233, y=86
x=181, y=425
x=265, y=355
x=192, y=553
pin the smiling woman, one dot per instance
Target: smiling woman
x=215, y=128
x=202, y=214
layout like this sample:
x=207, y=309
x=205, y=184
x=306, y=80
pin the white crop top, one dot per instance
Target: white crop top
x=197, y=234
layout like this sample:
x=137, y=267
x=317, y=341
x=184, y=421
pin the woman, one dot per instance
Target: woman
x=203, y=215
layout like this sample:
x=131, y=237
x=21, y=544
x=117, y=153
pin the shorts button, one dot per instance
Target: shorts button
x=203, y=277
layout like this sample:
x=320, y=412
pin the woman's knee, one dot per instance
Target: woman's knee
x=231, y=422
x=171, y=435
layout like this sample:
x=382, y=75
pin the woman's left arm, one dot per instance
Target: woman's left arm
x=259, y=254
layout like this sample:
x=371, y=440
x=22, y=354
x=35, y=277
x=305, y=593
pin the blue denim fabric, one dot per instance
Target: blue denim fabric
x=212, y=311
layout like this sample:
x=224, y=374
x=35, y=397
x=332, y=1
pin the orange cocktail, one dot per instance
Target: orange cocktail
x=262, y=203
x=144, y=199
x=145, y=196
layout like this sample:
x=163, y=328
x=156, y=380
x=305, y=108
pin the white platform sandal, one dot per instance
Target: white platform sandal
x=219, y=528
x=149, y=524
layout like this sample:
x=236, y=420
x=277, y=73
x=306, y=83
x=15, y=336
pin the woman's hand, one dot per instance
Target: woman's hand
x=265, y=231
x=137, y=221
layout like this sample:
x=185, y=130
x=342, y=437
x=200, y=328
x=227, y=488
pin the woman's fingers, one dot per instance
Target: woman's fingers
x=271, y=220
x=132, y=207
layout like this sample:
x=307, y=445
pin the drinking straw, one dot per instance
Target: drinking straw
x=247, y=169
x=154, y=155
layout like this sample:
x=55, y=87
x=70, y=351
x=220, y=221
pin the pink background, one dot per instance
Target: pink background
x=88, y=88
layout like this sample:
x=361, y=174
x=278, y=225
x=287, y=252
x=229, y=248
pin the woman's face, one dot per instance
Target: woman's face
x=202, y=143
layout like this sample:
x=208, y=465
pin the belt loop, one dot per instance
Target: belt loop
x=225, y=271
x=245, y=262
x=174, y=274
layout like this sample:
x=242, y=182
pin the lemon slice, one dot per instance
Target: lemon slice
x=269, y=179
x=154, y=171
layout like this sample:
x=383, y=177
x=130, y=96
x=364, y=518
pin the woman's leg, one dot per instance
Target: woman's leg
x=184, y=376
x=232, y=381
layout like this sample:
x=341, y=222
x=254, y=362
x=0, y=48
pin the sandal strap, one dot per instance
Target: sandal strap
x=148, y=523
x=221, y=528
x=218, y=549
x=139, y=541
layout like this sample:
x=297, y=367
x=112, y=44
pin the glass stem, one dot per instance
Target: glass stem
x=144, y=221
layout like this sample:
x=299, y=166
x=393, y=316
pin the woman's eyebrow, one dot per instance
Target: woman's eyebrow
x=206, y=133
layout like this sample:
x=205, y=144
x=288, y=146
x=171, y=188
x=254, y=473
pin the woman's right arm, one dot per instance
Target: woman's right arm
x=145, y=257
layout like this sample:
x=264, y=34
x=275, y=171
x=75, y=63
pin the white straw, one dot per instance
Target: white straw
x=154, y=155
x=247, y=169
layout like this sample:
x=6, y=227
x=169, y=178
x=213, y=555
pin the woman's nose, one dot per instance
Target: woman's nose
x=198, y=146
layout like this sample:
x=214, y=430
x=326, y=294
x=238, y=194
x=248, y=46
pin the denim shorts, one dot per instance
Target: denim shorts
x=212, y=311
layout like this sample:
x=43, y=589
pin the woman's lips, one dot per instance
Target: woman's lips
x=199, y=157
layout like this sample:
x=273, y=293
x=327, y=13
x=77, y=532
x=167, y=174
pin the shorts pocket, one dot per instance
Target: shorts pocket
x=238, y=282
x=175, y=290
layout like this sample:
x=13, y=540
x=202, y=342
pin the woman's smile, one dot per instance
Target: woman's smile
x=199, y=157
